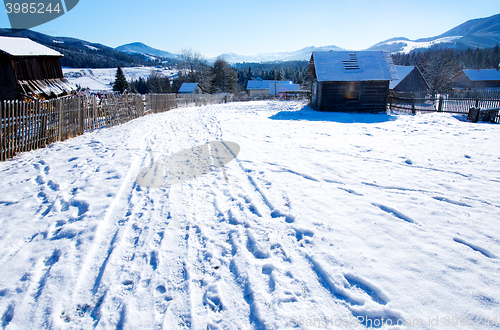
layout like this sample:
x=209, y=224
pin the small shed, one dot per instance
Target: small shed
x=476, y=79
x=29, y=69
x=260, y=88
x=191, y=88
x=351, y=80
x=410, y=80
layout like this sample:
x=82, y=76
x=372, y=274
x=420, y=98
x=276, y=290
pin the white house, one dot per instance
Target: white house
x=190, y=88
x=259, y=88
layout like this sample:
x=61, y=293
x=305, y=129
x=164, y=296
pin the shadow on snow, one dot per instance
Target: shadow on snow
x=308, y=113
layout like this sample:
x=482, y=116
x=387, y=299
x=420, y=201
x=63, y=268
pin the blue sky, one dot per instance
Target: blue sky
x=260, y=26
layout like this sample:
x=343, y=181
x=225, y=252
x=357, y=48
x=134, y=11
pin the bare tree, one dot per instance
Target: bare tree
x=192, y=62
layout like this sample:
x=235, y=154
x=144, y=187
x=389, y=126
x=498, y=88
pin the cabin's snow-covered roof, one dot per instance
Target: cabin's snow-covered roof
x=403, y=71
x=482, y=75
x=25, y=47
x=353, y=66
x=265, y=84
x=188, y=87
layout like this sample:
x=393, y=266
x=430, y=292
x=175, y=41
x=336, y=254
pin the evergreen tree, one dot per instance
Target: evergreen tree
x=223, y=77
x=120, y=85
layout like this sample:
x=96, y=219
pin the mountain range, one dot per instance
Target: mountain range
x=80, y=53
x=481, y=32
x=475, y=33
x=140, y=48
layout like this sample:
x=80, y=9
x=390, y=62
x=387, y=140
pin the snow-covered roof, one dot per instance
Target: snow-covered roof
x=188, y=87
x=483, y=75
x=403, y=71
x=283, y=86
x=352, y=66
x=25, y=47
x=264, y=84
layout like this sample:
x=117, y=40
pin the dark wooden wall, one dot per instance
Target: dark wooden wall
x=37, y=67
x=8, y=82
x=13, y=69
x=333, y=96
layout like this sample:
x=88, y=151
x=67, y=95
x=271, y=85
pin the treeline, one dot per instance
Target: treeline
x=439, y=65
x=155, y=83
x=216, y=78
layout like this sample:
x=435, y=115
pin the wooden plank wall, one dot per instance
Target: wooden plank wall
x=31, y=125
x=332, y=96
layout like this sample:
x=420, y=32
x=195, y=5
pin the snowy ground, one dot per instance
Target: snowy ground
x=100, y=80
x=328, y=221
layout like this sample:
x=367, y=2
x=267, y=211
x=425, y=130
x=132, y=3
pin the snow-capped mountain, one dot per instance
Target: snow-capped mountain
x=481, y=32
x=140, y=48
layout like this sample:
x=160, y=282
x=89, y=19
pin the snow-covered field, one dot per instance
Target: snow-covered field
x=100, y=80
x=329, y=220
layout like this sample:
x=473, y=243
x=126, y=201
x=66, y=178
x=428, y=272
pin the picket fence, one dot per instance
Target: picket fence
x=456, y=102
x=29, y=125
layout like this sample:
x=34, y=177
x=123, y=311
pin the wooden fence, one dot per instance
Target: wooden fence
x=31, y=125
x=456, y=102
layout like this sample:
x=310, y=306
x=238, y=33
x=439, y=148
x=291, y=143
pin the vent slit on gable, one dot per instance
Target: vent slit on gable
x=352, y=63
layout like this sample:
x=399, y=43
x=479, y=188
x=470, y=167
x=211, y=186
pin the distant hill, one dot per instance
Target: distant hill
x=299, y=55
x=475, y=33
x=79, y=53
x=140, y=48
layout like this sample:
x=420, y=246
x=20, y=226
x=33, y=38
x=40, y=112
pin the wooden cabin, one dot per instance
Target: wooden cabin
x=410, y=80
x=476, y=79
x=191, y=88
x=351, y=81
x=29, y=69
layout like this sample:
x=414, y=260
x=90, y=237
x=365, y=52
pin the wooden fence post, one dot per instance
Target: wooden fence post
x=413, y=105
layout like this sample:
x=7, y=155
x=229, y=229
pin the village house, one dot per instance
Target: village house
x=351, y=81
x=191, y=88
x=265, y=88
x=30, y=70
x=410, y=80
x=476, y=79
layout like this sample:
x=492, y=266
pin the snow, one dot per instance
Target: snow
x=483, y=75
x=412, y=45
x=329, y=220
x=100, y=80
x=362, y=66
x=91, y=47
x=25, y=47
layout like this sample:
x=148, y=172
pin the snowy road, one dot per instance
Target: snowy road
x=328, y=221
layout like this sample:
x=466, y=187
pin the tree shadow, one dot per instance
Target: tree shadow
x=308, y=113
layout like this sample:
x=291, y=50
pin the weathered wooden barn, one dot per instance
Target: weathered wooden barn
x=351, y=81
x=28, y=69
x=476, y=79
x=410, y=80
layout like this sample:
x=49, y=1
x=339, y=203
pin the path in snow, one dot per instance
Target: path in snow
x=325, y=216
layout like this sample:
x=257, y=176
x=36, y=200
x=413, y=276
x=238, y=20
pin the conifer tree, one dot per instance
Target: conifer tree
x=120, y=85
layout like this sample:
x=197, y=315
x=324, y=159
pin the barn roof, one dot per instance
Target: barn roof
x=352, y=66
x=483, y=75
x=403, y=71
x=188, y=87
x=25, y=47
x=47, y=87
